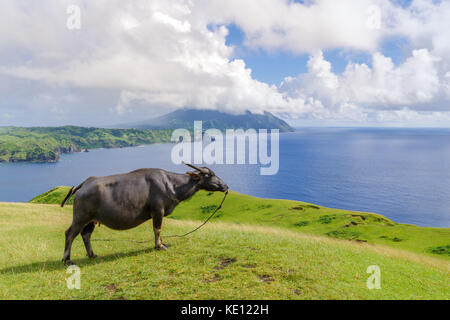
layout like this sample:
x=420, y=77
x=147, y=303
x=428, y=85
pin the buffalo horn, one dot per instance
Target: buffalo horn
x=196, y=168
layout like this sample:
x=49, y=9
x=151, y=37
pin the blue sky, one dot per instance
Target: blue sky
x=269, y=67
x=273, y=66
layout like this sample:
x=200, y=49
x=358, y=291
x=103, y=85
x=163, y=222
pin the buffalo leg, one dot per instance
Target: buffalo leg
x=71, y=234
x=86, y=235
x=157, y=223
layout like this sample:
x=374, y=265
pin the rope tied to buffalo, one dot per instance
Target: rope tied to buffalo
x=174, y=235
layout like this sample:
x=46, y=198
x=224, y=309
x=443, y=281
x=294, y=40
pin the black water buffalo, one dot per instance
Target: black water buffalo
x=125, y=201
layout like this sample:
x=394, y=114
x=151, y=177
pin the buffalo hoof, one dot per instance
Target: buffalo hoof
x=92, y=256
x=161, y=247
x=68, y=262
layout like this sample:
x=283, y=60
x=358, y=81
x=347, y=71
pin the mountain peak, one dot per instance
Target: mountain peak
x=184, y=118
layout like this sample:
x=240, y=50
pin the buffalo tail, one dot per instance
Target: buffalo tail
x=71, y=193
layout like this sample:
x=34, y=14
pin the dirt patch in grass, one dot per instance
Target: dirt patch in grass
x=266, y=278
x=214, y=278
x=249, y=265
x=301, y=207
x=352, y=223
x=344, y=234
x=225, y=262
x=111, y=288
x=395, y=239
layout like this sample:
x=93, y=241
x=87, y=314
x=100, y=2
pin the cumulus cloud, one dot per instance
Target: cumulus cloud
x=136, y=56
x=415, y=82
x=163, y=57
x=414, y=85
x=301, y=27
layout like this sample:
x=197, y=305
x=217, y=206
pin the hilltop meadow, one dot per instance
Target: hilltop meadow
x=253, y=249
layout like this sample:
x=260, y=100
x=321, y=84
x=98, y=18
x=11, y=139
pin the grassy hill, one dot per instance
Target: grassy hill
x=360, y=227
x=220, y=261
x=45, y=144
x=184, y=118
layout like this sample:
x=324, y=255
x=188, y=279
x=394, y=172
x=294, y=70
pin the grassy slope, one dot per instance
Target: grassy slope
x=305, y=218
x=221, y=261
x=53, y=196
x=45, y=143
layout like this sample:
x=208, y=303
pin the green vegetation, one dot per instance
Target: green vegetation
x=359, y=227
x=220, y=261
x=45, y=144
x=444, y=250
x=53, y=196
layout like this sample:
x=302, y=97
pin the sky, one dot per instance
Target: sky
x=313, y=63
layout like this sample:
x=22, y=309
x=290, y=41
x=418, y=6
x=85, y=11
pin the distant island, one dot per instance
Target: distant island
x=184, y=118
x=45, y=144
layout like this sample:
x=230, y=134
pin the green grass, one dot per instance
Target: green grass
x=44, y=144
x=304, y=218
x=53, y=196
x=223, y=260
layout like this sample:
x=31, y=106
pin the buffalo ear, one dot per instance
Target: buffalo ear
x=194, y=175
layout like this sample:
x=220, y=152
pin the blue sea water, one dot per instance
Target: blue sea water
x=403, y=174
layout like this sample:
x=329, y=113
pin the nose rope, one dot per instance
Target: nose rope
x=174, y=235
x=212, y=215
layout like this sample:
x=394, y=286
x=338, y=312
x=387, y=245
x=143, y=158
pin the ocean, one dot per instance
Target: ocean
x=403, y=174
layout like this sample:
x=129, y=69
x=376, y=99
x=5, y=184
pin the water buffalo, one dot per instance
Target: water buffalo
x=124, y=201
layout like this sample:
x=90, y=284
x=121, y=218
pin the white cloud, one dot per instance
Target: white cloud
x=415, y=82
x=360, y=89
x=300, y=28
x=166, y=59
x=162, y=54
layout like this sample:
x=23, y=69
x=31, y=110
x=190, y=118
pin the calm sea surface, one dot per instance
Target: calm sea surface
x=403, y=174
